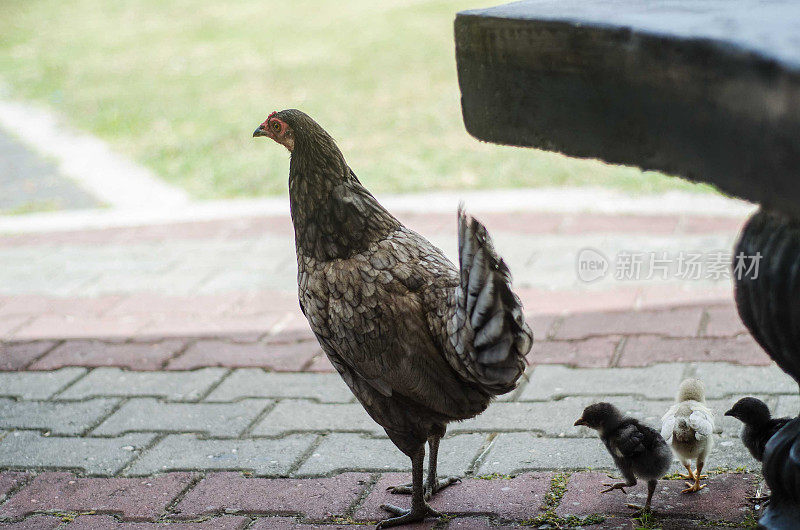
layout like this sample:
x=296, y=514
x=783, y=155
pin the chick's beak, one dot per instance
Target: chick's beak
x=579, y=421
x=730, y=413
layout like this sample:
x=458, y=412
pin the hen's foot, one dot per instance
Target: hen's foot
x=694, y=487
x=406, y=516
x=615, y=486
x=429, y=492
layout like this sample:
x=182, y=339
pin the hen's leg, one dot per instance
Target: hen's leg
x=420, y=509
x=432, y=484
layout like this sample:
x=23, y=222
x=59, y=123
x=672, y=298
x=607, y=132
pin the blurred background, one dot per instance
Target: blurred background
x=179, y=85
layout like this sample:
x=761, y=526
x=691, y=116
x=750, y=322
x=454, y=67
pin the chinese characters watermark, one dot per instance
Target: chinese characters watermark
x=592, y=265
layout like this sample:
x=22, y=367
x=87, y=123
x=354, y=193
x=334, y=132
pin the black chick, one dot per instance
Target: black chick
x=759, y=425
x=638, y=451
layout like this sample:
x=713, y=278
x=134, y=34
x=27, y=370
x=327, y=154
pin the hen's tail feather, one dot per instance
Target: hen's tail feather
x=494, y=337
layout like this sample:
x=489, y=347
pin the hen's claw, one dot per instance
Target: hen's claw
x=638, y=508
x=615, y=486
x=405, y=516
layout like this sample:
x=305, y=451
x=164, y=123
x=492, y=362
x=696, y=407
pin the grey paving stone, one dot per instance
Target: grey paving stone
x=523, y=451
x=727, y=426
x=342, y=451
x=53, y=416
x=225, y=420
x=187, y=452
x=254, y=382
x=553, y=381
x=728, y=454
x=179, y=386
x=295, y=415
x=514, y=452
x=555, y=418
x=723, y=379
x=37, y=385
x=95, y=456
x=788, y=406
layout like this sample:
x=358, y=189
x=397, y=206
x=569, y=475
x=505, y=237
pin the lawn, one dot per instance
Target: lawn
x=179, y=85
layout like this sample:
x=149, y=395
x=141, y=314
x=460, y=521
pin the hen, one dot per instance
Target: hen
x=688, y=427
x=419, y=342
x=638, y=451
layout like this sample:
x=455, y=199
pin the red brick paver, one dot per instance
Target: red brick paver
x=134, y=498
x=317, y=498
x=649, y=349
x=10, y=480
x=36, y=522
x=20, y=355
x=517, y=499
x=590, y=353
x=725, y=498
x=287, y=523
x=645, y=224
x=679, y=322
x=95, y=522
x=79, y=327
x=133, y=355
x=724, y=321
x=271, y=354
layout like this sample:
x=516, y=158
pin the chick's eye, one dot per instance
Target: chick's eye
x=276, y=126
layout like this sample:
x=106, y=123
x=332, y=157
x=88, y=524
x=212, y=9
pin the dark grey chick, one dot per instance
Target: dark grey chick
x=638, y=451
x=759, y=425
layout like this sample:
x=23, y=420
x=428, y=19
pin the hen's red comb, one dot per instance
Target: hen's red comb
x=274, y=112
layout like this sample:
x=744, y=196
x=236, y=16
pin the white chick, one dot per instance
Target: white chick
x=687, y=427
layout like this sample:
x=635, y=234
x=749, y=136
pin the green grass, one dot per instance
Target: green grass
x=179, y=85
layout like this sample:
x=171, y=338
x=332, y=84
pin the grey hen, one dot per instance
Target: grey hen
x=419, y=342
x=638, y=450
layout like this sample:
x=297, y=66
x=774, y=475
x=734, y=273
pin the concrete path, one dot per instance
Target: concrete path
x=164, y=374
x=30, y=183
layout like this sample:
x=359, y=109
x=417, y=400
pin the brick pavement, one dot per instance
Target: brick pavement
x=153, y=374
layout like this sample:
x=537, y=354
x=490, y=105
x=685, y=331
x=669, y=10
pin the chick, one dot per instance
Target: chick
x=759, y=425
x=688, y=427
x=638, y=451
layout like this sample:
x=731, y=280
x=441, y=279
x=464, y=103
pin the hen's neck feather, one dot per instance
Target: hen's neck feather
x=334, y=216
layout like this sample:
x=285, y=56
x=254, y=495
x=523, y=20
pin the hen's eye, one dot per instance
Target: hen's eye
x=276, y=126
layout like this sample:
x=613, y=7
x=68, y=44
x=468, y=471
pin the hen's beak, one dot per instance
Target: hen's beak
x=579, y=421
x=260, y=131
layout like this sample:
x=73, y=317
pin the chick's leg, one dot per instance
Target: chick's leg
x=420, y=509
x=695, y=487
x=630, y=481
x=690, y=473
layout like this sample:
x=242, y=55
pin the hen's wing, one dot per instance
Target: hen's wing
x=368, y=315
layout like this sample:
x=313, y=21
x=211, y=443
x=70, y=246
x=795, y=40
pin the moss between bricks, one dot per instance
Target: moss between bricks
x=549, y=519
